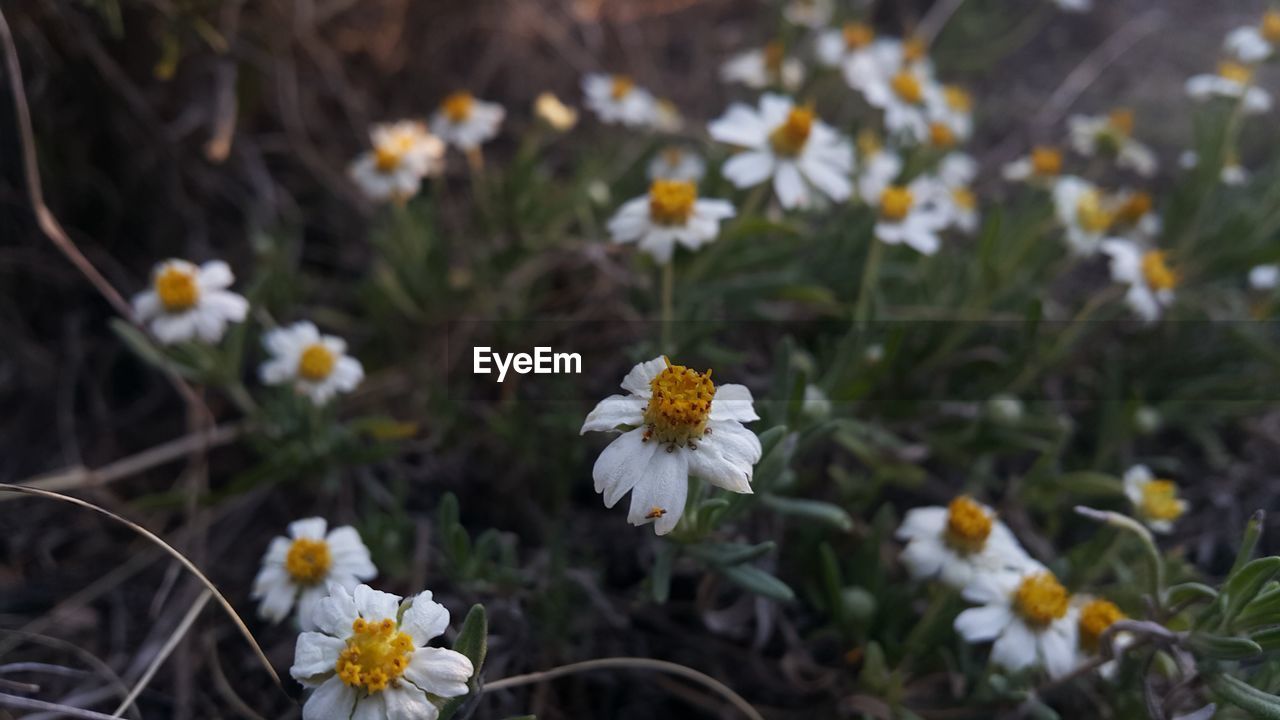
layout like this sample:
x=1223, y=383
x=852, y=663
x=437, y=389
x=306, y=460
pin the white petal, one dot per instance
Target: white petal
x=425, y=619
x=375, y=604
x=315, y=654
x=737, y=443
x=215, y=275
x=1058, y=645
x=922, y=522
x=637, y=381
x=311, y=528
x=308, y=601
x=733, y=402
x=717, y=461
x=336, y=613
x=276, y=599
x=333, y=699
x=405, y=702
x=146, y=305
x=924, y=558
x=1015, y=649
x=789, y=186
x=370, y=707
x=981, y=624
x=439, y=671
x=827, y=179
x=749, y=169
x=664, y=485
x=621, y=465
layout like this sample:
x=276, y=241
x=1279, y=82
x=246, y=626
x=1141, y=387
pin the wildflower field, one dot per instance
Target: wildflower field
x=568, y=359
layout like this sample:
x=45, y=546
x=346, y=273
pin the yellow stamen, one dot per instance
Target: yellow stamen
x=1271, y=26
x=895, y=203
x=376, y=655
x=1121, y=121
x=957, y=98
x=316, y=362
x=457, y=106
x=964, y=198
x=387, y=158
x=1159, y=276
x=671, y=201
x=789, y=137
x=679, y=406
x=655, y=513
x=968, y=525
x=308, y=561
x=1046, y=161
x=1041, y=599
x=1135, y=207
x=941, y=135
x=1090, y=213
x=857, y=35
x=177, y=289
x=908, y=87
x=1095, y=618
x=621, y=86
x=1235, y=71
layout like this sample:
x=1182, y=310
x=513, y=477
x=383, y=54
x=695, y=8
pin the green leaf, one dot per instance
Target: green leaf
x=755, y=580
x=726, y=554
x=1191, y=592
x=1217, y=647
x=1252, y=531
x=1257, y=703
x=1243, y=586
x=660, y=575
x=1268, y=639
x=472, y=641
x=824, y=512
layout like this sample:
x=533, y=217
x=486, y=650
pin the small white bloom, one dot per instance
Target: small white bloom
x=809, y=13
x=1044, y=164
x=786, y=143
x=1255, y=43
x=955, y=543
x=186, y=302
x=1028, y=614
x=1096, y=615
x=465, y=122
x=1233, y=81
x=299, y=569
x=673, y=423
x=316, y=365
x=677, y=163
x=878, y=168
x=903, y=96
x=815, y=404
x=764, y=67
x=1146, y=272
x=617, y=99
x=1155, y=500
x=949, y=190
x=949, y=110
x=851, y=48
x=670, y=214
x=1112, y=134
x=403, y=153
x=1084, y=213
x=909, y=216
x=1147, y=419
x=1233, y=174
x=1264, y=277
x=369, y=658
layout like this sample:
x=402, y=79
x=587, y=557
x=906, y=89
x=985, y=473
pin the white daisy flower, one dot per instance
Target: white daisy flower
x=316, y=365
x=878, y=168
x=1112, y=134
x=403, y=153
x=1233, y=81
x=957, y=542
x=764, y=67
x=677, y=163
x=299, y=568
x=1028, y=614
x=1084, y=213
x=186, y=302
x=369, y=658
x=850, y=48
x=952, y=193
x=1134, y=213
x=907, y=216
x=670, y=214
x=1095, y=616
x=1255, y=43
x=1147, y=273
x=674, y=423
x=1043, y=164
x=465, y=122
x=949, y=109
x=617, y=99
x=1264, y=277
x=1155, y=500
x=809, y=13
x=902, y=94
x=789, y=144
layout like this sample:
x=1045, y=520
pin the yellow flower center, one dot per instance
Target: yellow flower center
x=857, y=35
x=376, y=655
x=308, y=561
x=964, y=198
x=316, y=362
x=621, y=87
x=1121, y=121
x=1158, y=274
x=914, y=50
x=1090, y=213
x=941, y=135
x=671, y=201
x=1234, y=71
x=177, y=289
x=1041, y=599
x=457, y=106
x=957, y=98
x=1271, y=26
x=679, y=405
x=908, y=87
x=1160, y=500
x=895, y=203
x=773, y=55
x=1135, y=207
x=968, y=525
x=1095, y=618
x=1046, y=161
x=789, y=137
x=387, y=157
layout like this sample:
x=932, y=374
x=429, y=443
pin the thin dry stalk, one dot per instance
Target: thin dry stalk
x=174, y=638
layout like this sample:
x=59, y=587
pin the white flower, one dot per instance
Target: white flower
x=1044, y=164
x=908, y=215
x=1155, y=500
x=1074, y=5
x=949, y=191
x=955, y=543
x=809, y=13
x=677, y=163
x=903, y=96
x=299, y=568
x=1264, y=277
x=1255, y=43
x=1112, y=134
x=1095, y=615
x=671, y=213
x=790, y=145
x=674, y=423
x=1084, y=213
x=1147, y=273
x=617, y=99
x=465, y=122
x=1133, y=212
x=315, y=365
x=1028, y=614
x=815, y=403
x=370, y=660
x=186, y=302
x=403, y=153
x=762, y=68
x=851, y=48
x=878, y=168
x=1234, y=81
x=949, y=109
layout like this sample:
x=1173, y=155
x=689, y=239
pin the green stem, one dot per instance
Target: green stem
x=870, y=277
x=668, y=293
